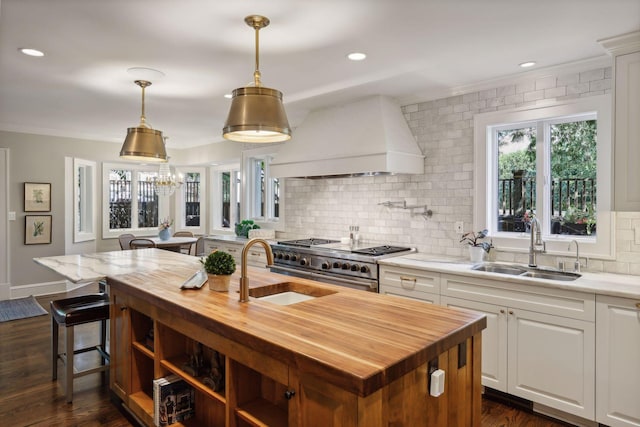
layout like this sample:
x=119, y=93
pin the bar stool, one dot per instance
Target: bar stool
x=70, y=312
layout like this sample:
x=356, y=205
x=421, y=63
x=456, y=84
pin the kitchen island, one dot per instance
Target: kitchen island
x=342, y=358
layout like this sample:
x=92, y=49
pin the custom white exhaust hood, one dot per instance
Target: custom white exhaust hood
x=367, y=137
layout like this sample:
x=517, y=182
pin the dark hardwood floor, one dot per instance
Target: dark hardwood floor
x=30, y=398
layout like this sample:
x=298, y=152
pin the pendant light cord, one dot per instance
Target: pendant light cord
x=143, y=84
x=256, y=73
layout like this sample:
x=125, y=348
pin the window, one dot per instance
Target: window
x=261, y=192
x=84, y=208
x=190, y=204
x=225, y=203
x=551, y=163
x=130, y=202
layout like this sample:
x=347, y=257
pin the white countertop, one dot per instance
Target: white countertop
x=97, y=266
x=620, y=285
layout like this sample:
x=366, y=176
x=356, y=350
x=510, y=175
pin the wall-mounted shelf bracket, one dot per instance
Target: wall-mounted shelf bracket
x=425, y=211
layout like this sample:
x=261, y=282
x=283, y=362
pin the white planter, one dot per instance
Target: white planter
x=476, y=254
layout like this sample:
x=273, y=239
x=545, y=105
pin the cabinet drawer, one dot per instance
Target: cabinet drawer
x=256, y=257
x=575, y=305
x=411, y=281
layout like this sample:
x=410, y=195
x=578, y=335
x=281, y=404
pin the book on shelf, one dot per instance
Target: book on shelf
x=173, y=400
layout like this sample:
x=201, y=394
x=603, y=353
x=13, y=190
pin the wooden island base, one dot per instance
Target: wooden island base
x=295, y=365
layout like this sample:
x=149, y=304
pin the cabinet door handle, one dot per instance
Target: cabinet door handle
x=407, y=279
x=123, y=308
x=289, y=394
x=255, y=253
x=638, y=305
x=232, y=250
x=502, y=311
x=510, y=311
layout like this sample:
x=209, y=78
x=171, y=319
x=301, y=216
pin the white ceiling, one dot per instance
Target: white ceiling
x=417, y=50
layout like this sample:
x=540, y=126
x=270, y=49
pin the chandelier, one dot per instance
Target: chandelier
x=166, y=183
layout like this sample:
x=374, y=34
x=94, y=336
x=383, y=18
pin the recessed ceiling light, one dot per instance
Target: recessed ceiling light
x=357, y=56
x=31, y=52
x=527, y=64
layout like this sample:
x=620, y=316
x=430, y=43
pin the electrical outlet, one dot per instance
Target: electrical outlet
x=12, y=216
x=459, y=227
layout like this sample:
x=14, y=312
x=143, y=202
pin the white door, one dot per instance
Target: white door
x=494, y=340
x=618, y=361
x=552, y=361
x=5, y=289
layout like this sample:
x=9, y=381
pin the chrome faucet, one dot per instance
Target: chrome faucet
x=244, y=278
x=576, y=263
x=538, y=245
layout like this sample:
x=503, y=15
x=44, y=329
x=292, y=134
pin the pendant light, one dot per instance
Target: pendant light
x=143, y=143
x=257, y=113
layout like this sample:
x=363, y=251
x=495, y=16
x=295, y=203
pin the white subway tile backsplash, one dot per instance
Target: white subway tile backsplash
x=444, y=131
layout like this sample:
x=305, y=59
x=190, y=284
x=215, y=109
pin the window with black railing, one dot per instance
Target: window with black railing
x=133, y=203
x=191, y=190
x=568, y=150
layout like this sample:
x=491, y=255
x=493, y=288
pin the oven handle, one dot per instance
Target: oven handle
x=372, y=284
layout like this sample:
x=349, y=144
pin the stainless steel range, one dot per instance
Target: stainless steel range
x=330, y=261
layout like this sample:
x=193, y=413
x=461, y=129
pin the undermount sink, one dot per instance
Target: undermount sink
x=287, y=293
x=532, y=272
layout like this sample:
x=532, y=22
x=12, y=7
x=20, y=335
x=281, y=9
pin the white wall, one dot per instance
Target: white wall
x=444, y=131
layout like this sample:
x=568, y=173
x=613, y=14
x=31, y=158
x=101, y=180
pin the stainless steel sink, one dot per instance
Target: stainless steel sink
x=522, y=271
x=499, y=268
x=551, y=275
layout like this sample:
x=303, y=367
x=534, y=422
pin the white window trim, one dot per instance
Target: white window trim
x=248, y=192
x=485, y=178
x=163, y=202
x=85, y=194
x=180, y=224
x=216, y=197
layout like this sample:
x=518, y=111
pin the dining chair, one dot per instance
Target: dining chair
x=139, y=243
x=186, y=248
x=200, y=247
x=124, y=240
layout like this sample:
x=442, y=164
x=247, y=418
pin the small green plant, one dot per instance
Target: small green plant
x=243, y=227
x=473, y=239
x=220, y=263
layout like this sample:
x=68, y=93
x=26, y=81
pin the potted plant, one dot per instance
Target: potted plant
x=243, y=227
x=578, y=221
x=477, y=248
x=219, y=266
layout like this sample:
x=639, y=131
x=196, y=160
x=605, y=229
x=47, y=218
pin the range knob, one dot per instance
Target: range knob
x=346, y=266
x=355, y=267
x=326, y=265
x=294, y=257
x=287, y=257
x=364, y=269
x=336, y=264
x=304, y=261
x=279, y=255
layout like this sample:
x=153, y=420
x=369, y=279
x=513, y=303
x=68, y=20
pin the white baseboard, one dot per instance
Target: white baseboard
x=5, y=291
x=45, y=288
x=563, y=416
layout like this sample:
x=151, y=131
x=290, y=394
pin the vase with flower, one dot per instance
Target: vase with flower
x=164, y=228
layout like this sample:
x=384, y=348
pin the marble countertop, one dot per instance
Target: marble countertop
x=620, y=285
x=96, y=266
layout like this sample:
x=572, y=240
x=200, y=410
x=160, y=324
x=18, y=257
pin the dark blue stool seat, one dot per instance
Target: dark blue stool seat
x=69, y=312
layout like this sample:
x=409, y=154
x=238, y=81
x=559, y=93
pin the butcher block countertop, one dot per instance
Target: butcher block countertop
x=357, y=340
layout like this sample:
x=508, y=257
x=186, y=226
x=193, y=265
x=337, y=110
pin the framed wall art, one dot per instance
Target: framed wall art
x=37, y=229
x=37, y=197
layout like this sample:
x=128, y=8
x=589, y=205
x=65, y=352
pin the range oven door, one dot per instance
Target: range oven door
x=368, y=285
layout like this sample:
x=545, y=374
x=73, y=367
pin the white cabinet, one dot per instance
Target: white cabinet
x=618, y=361
x=539, y=343
x=409, y=283
x=626, y=127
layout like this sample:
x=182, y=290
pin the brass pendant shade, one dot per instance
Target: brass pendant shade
x=257, y=114
x=143, y=143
